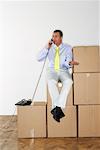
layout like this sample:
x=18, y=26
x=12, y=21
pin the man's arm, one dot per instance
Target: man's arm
x=43, y=53
x=68, y=57
x=69, y=62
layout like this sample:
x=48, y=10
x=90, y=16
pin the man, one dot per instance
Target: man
x=60, y=61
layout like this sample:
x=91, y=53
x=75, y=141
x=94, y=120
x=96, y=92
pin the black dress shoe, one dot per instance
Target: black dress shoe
x=60, y=112
x=56, y=115
x=52, y=111
x=56, y=118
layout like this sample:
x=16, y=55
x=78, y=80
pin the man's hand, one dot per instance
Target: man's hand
x=73, y=62
x=49, y=44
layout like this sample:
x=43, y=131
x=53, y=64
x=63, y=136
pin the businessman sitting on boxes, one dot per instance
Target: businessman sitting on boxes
x=60, y=62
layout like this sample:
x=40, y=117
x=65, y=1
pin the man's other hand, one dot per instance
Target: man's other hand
x=73, y=62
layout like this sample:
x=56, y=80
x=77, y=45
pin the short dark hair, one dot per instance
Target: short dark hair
x=60, y=32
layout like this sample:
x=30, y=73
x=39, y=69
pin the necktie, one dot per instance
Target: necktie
x=56, y=60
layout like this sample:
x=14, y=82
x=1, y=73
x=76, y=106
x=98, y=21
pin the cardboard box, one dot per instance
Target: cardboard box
x=88, y=58
x=67, y=126
x=86, y=88
x=99, y=58
x=32, y=120
x=89, y=121
x=69, y=101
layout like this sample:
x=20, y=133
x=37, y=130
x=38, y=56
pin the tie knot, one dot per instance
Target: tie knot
x=57, y=48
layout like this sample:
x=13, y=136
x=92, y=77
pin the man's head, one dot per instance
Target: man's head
x=57, y=37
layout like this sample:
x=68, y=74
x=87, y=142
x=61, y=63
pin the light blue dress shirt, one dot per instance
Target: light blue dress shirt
x=65, y=53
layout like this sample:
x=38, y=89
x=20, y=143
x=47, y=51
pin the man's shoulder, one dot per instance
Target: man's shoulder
x=66, y=45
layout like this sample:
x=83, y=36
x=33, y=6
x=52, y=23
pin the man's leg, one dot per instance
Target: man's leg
x=67, y=82
x=52, y=80
x=53, y=90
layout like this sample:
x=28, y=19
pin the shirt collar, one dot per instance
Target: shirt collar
x=60, y=46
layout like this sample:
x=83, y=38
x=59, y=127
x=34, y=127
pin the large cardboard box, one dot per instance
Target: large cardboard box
x=32, y=120
x=67, y=126
x=89, y=121
x=86, y=88
x=99, y=58
x=88, y=58
x=69, y=100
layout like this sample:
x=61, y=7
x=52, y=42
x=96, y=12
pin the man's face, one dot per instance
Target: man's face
x=57, y=39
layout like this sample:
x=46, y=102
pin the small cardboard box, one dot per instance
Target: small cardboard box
x=89, y=120
x=32, y=120
x=86, y=88
x=88, y=58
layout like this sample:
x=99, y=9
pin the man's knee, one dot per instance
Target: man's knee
x=68, y=81
x=51, y=81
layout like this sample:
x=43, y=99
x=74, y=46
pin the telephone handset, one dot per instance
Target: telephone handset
x=51, y=42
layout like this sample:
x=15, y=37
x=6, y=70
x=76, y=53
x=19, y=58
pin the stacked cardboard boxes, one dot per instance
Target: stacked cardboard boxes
x=87, y=90
x=82, y=112
x=68, y=125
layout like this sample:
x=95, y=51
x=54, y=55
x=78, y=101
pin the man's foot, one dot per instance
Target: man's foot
x=55, y=114
x=53, y=110
x=60, y=112
x=56, y=117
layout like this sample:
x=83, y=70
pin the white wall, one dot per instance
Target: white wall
x=25, y=27
x=99, y=22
